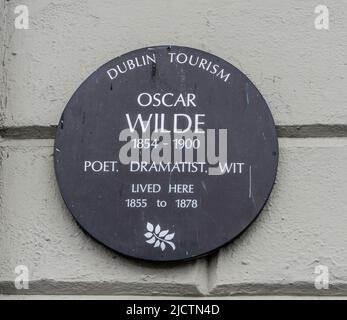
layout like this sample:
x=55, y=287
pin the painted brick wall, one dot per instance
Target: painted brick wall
x=302, y=73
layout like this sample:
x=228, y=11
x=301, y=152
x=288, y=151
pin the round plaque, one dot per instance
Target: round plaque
x=166, y=153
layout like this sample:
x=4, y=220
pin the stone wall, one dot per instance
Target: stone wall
x=302, y=73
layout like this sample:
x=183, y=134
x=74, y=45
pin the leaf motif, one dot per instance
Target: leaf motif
x=163, y=233
x=162, y=246
x=172, y=245
x=150, y=227
x=150, y=241
x=159, y=238
x=148, y=235
x=157, y=244
x=169, y=236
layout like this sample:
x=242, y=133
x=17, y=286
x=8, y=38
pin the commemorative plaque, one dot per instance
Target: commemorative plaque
x=166, y=153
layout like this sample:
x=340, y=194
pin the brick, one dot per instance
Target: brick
x=36, y=230
x=300, y=71
x=303, y=226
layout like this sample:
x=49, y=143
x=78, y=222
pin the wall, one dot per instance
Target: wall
x=302, y=73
